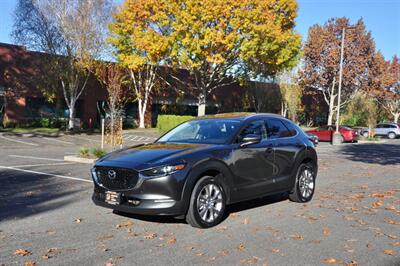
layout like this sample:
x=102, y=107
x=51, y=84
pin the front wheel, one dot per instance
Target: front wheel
x=391, y=135
x=207, y=203
x=304, y=186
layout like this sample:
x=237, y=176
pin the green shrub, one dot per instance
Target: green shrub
x=84, y=152
x=167, y=122
x=98, y=152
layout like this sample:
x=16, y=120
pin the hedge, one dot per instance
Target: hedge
x=167, y=122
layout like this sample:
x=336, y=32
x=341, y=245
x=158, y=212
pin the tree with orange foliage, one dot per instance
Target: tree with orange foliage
x=320, y=72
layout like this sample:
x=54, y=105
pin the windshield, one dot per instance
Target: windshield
x=208, y=131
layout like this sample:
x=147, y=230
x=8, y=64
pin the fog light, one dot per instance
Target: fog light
x=134, y=202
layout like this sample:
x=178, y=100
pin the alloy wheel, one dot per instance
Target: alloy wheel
x=306, y=183
x=209, y=203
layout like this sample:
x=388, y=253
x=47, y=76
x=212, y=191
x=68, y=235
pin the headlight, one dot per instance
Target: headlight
x=162, y=170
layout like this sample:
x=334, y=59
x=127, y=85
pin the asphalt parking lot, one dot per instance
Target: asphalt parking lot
x=47, y=217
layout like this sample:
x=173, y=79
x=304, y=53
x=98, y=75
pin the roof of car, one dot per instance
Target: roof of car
x=238, y=116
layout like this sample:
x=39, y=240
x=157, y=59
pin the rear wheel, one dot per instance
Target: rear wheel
x=391, y=135
x=207, y=203
x=304, y=187
x=365, y=134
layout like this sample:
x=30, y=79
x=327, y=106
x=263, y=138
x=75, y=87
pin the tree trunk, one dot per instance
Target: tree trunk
x=284, y=109
x=142, y=111
x=396, y=117
x=71, y=120
x=201, y=109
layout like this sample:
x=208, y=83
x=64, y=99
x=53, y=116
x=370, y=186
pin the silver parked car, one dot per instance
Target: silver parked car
x=391, y=130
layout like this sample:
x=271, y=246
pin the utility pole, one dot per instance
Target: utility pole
x=337, y=137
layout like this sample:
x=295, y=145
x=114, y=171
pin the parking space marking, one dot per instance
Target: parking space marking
x=19, y=141
x=36, y=158
x=61, y=141
x=83, y=138
x=45, y=174
x=42, y=164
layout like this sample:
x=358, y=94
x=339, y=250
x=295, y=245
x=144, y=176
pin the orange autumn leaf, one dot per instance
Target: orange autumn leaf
x=241, y=248
x=330, y=260
x=326, y=231
x=389, y=252
x=22, y=252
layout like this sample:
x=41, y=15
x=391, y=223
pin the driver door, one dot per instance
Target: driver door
x=253, y=165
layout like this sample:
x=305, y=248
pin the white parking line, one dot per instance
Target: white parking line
x=61, y=141
x=45, y=174
x=19, y=141
x=83, y=138
x=36, y=158
x=41, y=164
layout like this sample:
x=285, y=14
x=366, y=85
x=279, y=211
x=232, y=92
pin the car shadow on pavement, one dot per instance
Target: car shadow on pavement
x=383, y=154
x=233, y=208
x=255, y=203
x=151, y=218
x=26, y=194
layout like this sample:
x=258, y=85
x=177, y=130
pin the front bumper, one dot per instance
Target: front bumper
x=141, y=206
x=155, y=196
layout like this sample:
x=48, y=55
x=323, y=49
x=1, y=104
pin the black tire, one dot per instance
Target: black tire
x=391, y=135
x=193, y=217
x=296, y=194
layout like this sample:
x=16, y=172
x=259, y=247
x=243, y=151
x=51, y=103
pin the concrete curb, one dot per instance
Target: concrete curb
x=77, y=159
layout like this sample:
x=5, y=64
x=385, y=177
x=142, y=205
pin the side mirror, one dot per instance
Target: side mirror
x=250, y=139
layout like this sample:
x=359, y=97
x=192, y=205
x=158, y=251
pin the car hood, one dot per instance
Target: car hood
x=138, y=157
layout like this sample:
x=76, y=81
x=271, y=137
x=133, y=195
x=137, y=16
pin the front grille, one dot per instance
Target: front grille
x=121, y=180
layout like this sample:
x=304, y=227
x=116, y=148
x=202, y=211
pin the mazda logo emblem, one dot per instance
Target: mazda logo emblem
x=112, y=174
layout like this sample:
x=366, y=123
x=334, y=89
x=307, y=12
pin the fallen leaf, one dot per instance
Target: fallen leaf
x=389, y=252
x=246, y=221
x=22, y=252
x=241, y=247
x=172, y=241
x=46, y=257
x=391, y=222
x=352, y=263
x=78, y=220
x=223, y=252
x=390, y=208
x=30, y=263
x=110, y=263
x=275, y=250
x=150, y=236
x=330, y=260
x=377, y=204
x=297, y=237
x=326, y=231
x=124, y=224
x=233, y=214
x=378, y=195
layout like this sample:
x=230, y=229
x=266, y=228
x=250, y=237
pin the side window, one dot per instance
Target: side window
x=379, y=126
x=256, y=128
x=291, y=127
x=276, y=129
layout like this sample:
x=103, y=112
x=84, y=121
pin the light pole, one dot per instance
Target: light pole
x=337, y=137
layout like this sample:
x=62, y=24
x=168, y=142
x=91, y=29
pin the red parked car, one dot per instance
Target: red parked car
x=325, y=133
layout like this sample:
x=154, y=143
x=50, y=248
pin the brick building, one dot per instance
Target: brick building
x=22, y=101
